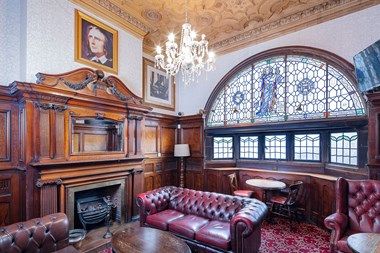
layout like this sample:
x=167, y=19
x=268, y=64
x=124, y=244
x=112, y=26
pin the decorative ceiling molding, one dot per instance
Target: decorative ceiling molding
x=303, y=19
x=228, y=24
x=113, y=13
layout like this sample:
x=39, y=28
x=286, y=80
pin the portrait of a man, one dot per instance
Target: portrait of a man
x=96, y=43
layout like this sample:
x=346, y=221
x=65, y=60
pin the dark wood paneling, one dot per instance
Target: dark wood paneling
x=5, y=144
x=10, y=197
x=322, y=200
x=151, y=139
x=43, y=137
x=168, y=138
x=138, y=187
x=59, y=135
x=374, y=135
x=193, y=135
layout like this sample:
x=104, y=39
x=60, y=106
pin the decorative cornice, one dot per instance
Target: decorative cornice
x=116, y=10
x=280, y=25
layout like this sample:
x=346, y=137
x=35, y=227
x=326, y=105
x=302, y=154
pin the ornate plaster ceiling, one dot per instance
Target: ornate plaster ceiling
x=228, y=24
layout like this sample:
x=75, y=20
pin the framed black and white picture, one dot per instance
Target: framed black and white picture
x=158, y=88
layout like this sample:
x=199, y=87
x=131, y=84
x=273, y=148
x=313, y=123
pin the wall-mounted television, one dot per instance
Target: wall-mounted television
x=367, y=68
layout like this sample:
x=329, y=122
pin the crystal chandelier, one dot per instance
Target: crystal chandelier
x=190, y=57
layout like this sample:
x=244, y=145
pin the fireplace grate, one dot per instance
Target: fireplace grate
x=94, y=209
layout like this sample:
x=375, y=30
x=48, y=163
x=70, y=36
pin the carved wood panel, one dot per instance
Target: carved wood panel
x=168, y=138
x=10, y=198
x=5, y=134
x=151, y=139
x=322, y=201
x=193, y=135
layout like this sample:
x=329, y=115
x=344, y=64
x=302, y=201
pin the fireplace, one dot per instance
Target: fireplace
x=113, y=190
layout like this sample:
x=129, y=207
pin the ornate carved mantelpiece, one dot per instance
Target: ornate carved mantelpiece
x=76, y=130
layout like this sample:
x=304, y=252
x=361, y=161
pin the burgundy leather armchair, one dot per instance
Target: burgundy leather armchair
x=41, y=235
x=206, y=221
x=357, y=211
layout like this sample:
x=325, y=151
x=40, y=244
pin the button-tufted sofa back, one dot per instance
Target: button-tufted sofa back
x=360, y=200
x=41, y=235
x=209, y=205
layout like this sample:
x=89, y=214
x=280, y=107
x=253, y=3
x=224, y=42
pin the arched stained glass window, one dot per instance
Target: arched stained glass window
x=286, y=84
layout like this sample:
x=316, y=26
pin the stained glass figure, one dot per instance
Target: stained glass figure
x=268, y=96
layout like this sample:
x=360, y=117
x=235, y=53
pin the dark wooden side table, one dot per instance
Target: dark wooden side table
x=147, y=240
x=364, y=242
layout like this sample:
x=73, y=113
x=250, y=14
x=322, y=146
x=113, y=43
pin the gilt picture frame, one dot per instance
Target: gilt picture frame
x=158, y=88
x=96, y=44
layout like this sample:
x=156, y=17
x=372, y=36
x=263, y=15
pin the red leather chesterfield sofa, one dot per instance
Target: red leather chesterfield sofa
x=357, y=210
x=206, y=221
x=41, y=235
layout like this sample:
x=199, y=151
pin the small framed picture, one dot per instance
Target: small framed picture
x=158, y=88
x=95, y=43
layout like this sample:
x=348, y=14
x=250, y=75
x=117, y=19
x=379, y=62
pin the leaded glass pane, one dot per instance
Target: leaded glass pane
x=343, y=100
x=249, y=147
x=223, y=148
x=307, y=147
x=275, y=147
x=306, y=86
x=283, y=88
x=344, y=148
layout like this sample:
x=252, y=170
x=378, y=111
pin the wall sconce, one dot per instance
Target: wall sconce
x=181, y=151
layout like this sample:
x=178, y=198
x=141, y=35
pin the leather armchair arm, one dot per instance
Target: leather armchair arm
x=152, y=202
x=337, y=223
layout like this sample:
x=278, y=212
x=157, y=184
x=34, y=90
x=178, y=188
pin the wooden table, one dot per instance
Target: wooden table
x=364, y=242
x=266, y=185
x=147, y=240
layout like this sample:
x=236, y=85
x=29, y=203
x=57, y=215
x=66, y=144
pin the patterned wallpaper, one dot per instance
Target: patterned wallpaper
x=49, y=43
x=10, y=44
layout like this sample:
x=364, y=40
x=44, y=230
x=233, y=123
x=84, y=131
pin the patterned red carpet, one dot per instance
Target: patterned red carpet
x=278, y=238
x=302, y=238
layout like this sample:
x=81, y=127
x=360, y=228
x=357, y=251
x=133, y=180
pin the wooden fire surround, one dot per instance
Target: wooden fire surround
x=43, y=156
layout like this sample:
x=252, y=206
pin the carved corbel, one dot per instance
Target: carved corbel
x=135, y=117
x=49, y=106
x=40, y=182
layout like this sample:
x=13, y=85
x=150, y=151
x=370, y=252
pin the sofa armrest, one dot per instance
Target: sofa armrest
x=337, y=223
x=152, y=202
x=247, y=224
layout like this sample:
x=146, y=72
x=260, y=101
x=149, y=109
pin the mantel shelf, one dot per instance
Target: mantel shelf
x=108, y=160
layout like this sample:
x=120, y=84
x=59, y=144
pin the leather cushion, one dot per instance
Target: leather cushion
x=244, y=193
x=187, y=225
x=162, y=219
x=278, y=199
x=215, y=233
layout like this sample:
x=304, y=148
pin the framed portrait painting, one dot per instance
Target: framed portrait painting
x=158, y=88
x=96, y=44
